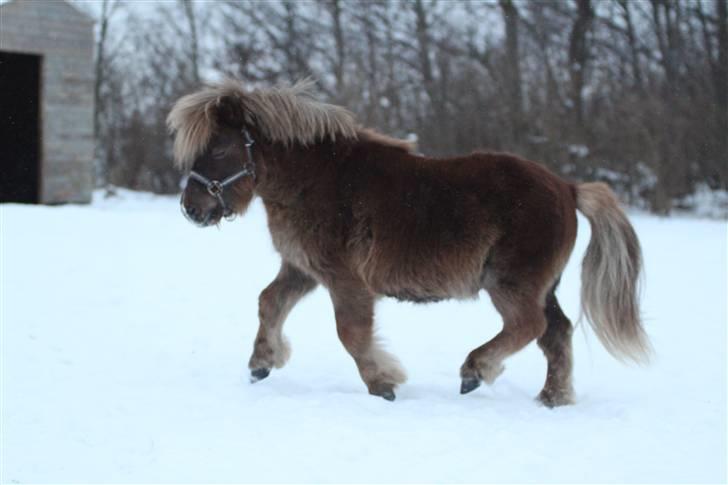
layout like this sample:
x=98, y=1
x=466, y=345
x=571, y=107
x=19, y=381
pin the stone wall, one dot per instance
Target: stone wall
x=65, y=39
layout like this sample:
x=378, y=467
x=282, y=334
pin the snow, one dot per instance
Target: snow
x=706, y=202
x=126, y=332
x=579, y=151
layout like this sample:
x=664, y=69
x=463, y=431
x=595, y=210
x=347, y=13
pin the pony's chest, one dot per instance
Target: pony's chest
x=297, y=238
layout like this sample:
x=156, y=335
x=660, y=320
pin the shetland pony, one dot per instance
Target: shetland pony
x=364, y=216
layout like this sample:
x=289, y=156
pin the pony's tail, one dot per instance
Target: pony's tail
x=610, y=275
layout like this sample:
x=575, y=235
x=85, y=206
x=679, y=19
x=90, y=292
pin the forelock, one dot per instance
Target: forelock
x=285, y=114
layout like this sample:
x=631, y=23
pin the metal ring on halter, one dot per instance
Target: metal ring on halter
x=214, y=188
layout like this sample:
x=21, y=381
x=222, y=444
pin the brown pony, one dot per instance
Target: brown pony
x=363, y=215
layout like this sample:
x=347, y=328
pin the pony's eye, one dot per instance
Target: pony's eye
x=218, y=154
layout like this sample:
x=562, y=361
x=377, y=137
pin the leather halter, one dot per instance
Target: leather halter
x=216, y=187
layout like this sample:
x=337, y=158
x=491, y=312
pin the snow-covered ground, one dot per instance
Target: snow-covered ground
x=126, y=332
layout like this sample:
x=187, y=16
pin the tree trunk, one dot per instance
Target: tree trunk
x=194, y=48
x=578, y=59
x=721, y=88
x=334, y=7
x=424, y=51
x=721, y=71
x=632, y=43
x=513, y=69
x=100, y=69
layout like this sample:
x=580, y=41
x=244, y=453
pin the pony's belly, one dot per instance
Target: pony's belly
x=425, y=280
x=417, y=294
x=413, y=295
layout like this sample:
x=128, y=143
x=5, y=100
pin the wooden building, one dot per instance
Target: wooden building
x=46, y=102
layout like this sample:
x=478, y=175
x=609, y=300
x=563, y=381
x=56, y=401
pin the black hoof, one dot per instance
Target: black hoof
x=469, y=384
x=385, y=391
x=259, y=374
x=388, y=395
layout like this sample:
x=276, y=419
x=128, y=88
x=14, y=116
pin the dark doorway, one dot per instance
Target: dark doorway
x=20, y=127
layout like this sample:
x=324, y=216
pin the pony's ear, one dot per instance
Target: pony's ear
x=229, y=111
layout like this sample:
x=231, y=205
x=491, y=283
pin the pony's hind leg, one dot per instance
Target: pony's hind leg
x=523, y=321
x=354, y=310
x=556, y=345
x=275, y=302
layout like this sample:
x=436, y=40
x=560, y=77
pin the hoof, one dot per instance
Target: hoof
x=553, y=400
x=259, y=374
x=388, y=395
x=385, y=391
x=469, y=384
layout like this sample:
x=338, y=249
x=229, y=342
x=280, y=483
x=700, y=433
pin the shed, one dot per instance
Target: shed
x=46, y=102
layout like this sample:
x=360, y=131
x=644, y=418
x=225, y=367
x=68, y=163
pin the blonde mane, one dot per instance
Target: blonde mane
x=285, y=114
x=376, y=137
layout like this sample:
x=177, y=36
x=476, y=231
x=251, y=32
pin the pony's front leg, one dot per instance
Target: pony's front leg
x=354, y=309
x=275, y=302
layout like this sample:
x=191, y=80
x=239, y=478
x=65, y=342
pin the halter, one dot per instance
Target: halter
x=216, y=187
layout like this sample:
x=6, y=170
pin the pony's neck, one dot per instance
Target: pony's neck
x=284, y=172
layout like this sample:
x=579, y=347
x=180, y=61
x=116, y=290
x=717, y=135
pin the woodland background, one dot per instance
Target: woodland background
x=632, y=92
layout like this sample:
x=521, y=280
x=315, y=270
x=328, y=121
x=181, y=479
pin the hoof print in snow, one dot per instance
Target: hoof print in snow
x=469, y=384
x=258, y=374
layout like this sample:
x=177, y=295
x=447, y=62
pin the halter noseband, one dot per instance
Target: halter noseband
x=216, y=187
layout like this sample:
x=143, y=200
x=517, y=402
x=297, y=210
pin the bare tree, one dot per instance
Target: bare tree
x=338, y=56
x=632, y=43
x=632, y=92
x=194, y=44
x=513, y=68
x=101, y=68
x=579, y=57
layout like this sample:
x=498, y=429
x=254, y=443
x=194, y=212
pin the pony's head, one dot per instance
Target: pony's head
x=222, y=131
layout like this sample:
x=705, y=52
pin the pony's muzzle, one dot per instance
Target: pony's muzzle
x=200, y=216
x=193, y=214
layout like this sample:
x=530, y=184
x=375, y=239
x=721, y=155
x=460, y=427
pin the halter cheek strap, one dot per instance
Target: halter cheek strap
x=216, y=187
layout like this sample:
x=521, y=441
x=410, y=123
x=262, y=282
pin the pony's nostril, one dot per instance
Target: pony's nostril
x=193, y=212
